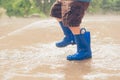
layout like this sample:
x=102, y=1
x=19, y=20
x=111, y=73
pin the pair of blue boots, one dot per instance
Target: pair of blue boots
x=82, y=41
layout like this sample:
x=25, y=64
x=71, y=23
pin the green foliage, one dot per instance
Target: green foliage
x=16, y=7
x=95, y=6
x=104, y=6
x=21, y=7
x=44, y=7
x=117, y=6
x=29, y=7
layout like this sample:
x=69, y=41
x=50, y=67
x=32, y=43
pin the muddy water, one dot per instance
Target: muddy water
x=27, y=51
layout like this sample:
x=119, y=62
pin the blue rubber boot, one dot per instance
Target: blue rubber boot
x=68, y=39
x=83, y=47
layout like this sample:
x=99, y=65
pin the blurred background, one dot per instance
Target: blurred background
x=25, y=8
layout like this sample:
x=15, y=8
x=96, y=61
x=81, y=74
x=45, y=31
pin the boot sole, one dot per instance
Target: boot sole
x=80, y=59
x=65, y=45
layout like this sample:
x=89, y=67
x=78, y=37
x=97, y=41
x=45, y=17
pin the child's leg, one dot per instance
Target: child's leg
x=56, y=12
x=73, y=18
x=83, y=47
x=75, y=30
